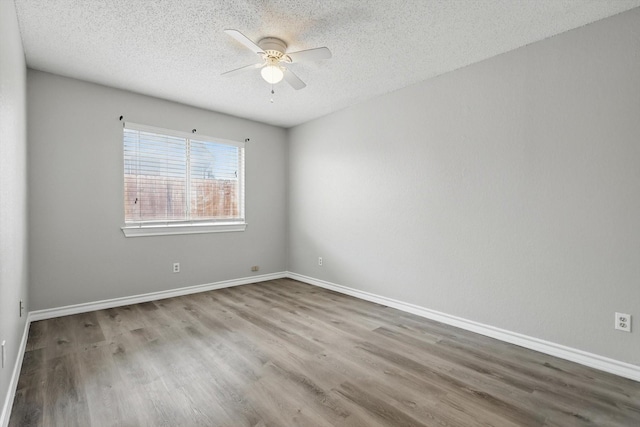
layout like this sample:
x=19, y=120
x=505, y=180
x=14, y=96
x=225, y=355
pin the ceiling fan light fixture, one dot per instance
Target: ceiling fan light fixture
x=272, y=74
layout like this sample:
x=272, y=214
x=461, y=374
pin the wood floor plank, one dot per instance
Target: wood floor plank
x=282, y=353
x=65, y=402
x=87, y=329
x=37, y=337
x=380, y=408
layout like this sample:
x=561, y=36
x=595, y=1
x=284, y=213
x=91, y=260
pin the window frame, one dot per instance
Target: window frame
x=185, y=226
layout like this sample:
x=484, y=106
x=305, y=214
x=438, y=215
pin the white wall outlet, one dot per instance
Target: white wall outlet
x=319, y=260
x=176, y=267
x=3, y=352
x=623, y=322
x=255, y=268
x=21, y=307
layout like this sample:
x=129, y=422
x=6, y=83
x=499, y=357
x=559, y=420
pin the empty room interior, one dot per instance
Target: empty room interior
x=337, y=213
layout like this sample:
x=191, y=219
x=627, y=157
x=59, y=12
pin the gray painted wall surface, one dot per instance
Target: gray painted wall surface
x=78, y=252
x=13, y=188
x=507, y=192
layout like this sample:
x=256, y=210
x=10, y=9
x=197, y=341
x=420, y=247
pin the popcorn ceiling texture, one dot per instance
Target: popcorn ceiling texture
x=177, y=49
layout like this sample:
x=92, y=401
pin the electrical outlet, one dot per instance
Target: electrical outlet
x=21, y=307
x=255, y=268
x=319, y=260
x=623, y=322
x=176, y=267
x=3, y=352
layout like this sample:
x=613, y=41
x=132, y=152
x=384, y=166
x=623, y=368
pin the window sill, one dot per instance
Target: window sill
x=168, y=230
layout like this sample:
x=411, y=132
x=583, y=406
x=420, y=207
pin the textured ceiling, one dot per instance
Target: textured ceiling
x=176, y=49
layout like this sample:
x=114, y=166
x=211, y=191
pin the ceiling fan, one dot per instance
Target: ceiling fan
x=273, y=52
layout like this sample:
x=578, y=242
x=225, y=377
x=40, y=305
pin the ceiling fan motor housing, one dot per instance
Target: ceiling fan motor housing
x=273, y=47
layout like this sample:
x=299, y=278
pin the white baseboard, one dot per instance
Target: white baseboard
x=602, y=363
x=13, y=382
x=152, y=296
x=110, y=303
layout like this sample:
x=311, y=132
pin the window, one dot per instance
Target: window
x=180, y=183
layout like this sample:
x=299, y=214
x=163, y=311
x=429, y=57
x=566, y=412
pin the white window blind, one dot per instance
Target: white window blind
x=173, y=179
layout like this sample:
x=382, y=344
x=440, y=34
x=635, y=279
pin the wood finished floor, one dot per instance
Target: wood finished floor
x=283, y=353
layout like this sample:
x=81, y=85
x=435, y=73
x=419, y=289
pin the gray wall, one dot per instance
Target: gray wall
x=78, y=252
x=13, y=188
x=507, y=192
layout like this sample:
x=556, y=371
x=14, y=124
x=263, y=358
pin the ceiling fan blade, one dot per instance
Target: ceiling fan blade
x=310, y=55
x=242, y=69
x=245, y=41
x=293, y=80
